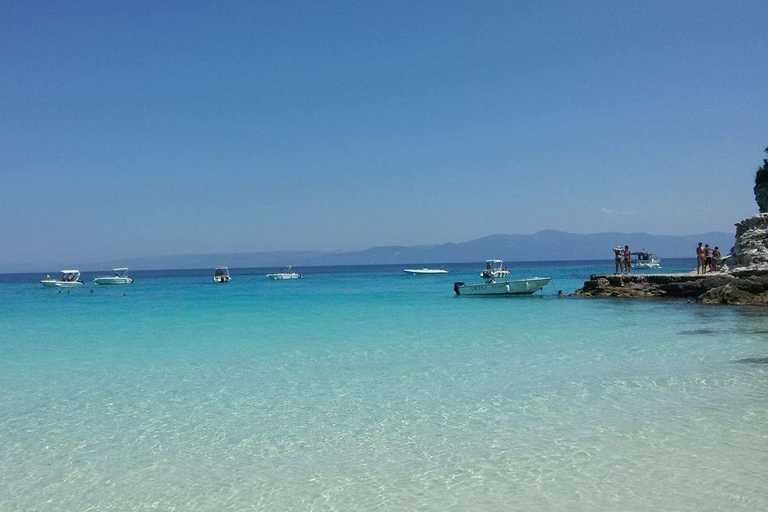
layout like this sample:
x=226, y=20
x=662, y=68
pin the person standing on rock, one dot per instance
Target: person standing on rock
x=627, y=260
x=707, y=259
x=715, y=260
x=700, y=259
x=617, y=259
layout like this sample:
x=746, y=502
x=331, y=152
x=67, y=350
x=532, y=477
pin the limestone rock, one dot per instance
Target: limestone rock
x=751, y=249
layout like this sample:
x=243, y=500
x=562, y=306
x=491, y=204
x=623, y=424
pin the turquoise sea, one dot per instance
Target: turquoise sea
x=364, y=388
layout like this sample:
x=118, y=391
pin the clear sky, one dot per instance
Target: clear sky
x=150, y=128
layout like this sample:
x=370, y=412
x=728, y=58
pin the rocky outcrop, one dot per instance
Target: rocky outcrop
x=743, y=281
x=751, y=249
x=748, y=287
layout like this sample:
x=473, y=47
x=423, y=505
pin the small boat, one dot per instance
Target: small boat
x=425, y=270
x=120, y=277
x=221, y=275
x=285, y=273
x=491, y=287
x=69, y=279
x=645, y=259
x=494, y=269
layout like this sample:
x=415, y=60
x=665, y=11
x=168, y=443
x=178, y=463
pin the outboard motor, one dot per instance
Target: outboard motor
x=456, y=287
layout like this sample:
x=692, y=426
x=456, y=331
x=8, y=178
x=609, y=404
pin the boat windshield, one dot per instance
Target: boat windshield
x=643, y=256
x=494, y=264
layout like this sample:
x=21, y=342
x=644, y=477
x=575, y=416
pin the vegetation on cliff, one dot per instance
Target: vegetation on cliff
x=761, y=186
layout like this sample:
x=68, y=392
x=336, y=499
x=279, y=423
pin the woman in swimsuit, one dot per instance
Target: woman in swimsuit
x=627, y=259
x=617, y=259
x=700, y=259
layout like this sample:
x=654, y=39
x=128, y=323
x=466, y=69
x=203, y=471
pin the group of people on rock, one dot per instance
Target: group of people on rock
x=623, y=259
x=707, y=260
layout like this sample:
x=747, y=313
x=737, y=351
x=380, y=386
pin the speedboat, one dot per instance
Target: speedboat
x=494, y=269
x=525, y=286
x=221, y=275
x=645, y=259
x=120, y=277
x=285, y=273
x=69, y=279
x=425, y=270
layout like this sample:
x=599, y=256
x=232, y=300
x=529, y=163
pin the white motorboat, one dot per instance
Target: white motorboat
x=285, y=273
x=221, y=275
x=645, y=259
x=491, y=287
x=69, y=279
x=120, y=276
x=425, y=270
x=494, y=269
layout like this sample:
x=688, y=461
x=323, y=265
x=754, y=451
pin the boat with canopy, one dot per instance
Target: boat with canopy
x=221, y=275
x=645, y=259
x=69, y=279
x=119, y=276
x=285, y=273
x=494, y=269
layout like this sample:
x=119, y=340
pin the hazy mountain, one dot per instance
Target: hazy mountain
x=541, y=246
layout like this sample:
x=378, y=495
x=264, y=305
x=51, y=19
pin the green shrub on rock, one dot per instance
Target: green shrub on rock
x=761, y=186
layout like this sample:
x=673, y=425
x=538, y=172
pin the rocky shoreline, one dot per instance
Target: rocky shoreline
x=745, y=283
x=744, y=287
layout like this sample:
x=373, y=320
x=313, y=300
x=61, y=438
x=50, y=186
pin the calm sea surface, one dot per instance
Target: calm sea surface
x=363, y=388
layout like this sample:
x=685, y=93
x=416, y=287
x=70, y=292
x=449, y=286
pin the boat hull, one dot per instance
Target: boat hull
x=280, y=277
x=424, y=271
x=52, y=283
x=646, y=265
x=107, y=281
x=515, y=287
x=221, y=279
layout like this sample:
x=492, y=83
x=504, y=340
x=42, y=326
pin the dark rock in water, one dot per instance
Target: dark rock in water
x=727, y=294
x=698, y=331
x=753, y=360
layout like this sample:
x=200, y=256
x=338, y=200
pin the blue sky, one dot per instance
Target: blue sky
x=131, y=128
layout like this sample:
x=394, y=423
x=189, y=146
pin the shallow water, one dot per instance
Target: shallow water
x=366, y=388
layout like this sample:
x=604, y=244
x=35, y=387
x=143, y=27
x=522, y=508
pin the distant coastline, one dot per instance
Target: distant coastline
x=546, y=245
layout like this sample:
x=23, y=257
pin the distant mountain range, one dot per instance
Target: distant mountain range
x=546, y=245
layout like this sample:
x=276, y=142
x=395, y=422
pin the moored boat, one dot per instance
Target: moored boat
x=525, y=286
x=120, y=276
x=645, y=259
x=425, y=270
x=221, y=275
x=285, y=273
x=494, y=269
x=69, y=279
